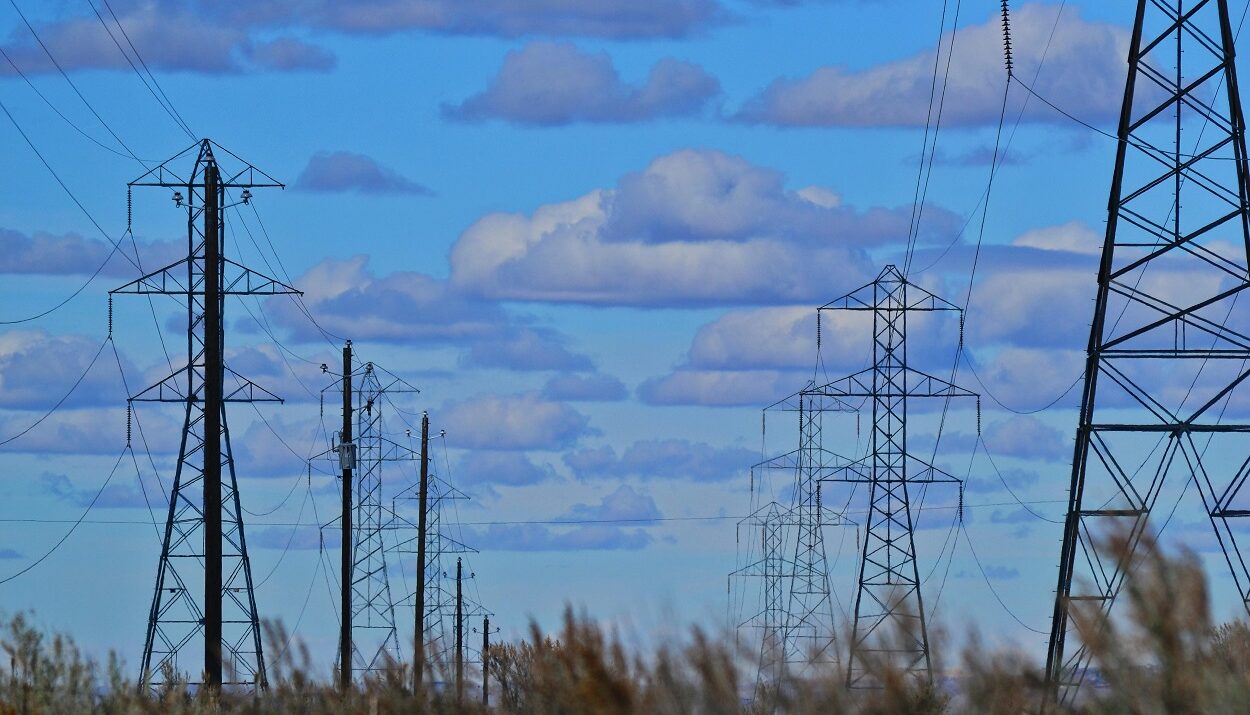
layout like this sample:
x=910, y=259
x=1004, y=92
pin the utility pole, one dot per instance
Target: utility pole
x=1179, y=206
x=346, y=463
x=486, y=661
x=204, y=525
x=459, y=633
x=418, y=660
x=213, y=377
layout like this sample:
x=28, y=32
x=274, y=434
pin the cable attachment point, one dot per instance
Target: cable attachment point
x=1007, y=39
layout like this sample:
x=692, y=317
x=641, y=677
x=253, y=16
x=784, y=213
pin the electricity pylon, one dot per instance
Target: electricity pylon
x=889, y=621
x=204, y=527
x=369, y=637
x=1167, y=350
x=763, y=537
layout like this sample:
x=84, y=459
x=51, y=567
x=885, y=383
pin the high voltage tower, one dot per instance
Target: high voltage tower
x=204, y=527
x=1166, y=358
x=889, y=625
x=793, y=613
x=369, y=634
x=377, y=538
x=434, y=594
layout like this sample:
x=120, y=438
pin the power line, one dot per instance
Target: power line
x=80, y=520
x=69, y=81
x=166, y=105
x=542, y=522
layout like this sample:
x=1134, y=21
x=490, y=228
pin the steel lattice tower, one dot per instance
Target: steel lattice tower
x=375, y=639
x=1165, y=356
x=440, y=546
x=204, y=527
x=888, y=600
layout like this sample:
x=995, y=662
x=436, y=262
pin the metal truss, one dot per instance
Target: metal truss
x=203, y=592
x=441, y=549
x=1168, y=349
x=889, y=624
x=771, y=528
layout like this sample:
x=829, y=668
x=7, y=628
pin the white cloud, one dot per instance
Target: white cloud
x=696, y=227
x=550, y=84
x=525, y=421
x=1083, y=72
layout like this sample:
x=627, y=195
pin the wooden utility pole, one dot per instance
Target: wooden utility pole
x=214, y=375
x=459, y=633
x=346, y=460
x=418, y=660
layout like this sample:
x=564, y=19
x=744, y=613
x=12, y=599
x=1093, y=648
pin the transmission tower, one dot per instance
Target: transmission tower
x=204, y=527
x=442, y=547
x=889, y=623
x=373, y=608
x=1165, y=357
x=794, y=611
x=361, y=449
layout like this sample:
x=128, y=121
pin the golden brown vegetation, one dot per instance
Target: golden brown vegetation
x=1166, y=657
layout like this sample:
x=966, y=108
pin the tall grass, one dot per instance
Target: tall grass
x=1166, y=657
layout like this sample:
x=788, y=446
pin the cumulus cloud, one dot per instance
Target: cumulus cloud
x=42, y=253
x=896, y=93
x=616, y=19
x=171, y=35
x=720, y=388
x=525, y=421
x=114, y=496
x=37, y=368
x=93, y=431
x=507, y=469
x=537, y=537
x=662, y=459
x=348, y=298
x=696, y=227
x=555, y=83
x=624, y=504
x=288, y=54
x=1026, y=437
x=207, y=37
x=584, y=388
x=524, y=349
x=265, y=451
x=344, y=171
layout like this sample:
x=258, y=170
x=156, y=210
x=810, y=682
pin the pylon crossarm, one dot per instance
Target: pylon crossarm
x=247, y=391
x=913, y=383
x=162, y=281
x=245, y=281
x=867, y=297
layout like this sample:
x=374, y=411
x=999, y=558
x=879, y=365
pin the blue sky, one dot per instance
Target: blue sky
x=594, y=234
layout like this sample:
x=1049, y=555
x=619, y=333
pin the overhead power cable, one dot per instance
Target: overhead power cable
x=26, y=569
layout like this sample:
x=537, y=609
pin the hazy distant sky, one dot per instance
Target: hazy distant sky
x=594, y=234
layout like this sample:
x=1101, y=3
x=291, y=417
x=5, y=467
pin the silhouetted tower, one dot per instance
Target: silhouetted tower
x=888, y=600
x=370, y=637
x=1168, y=347
x=808, y=629
x=204, y=528
x=375, y=637
x=764, y=550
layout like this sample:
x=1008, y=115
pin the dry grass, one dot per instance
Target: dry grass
x=1167, y=657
